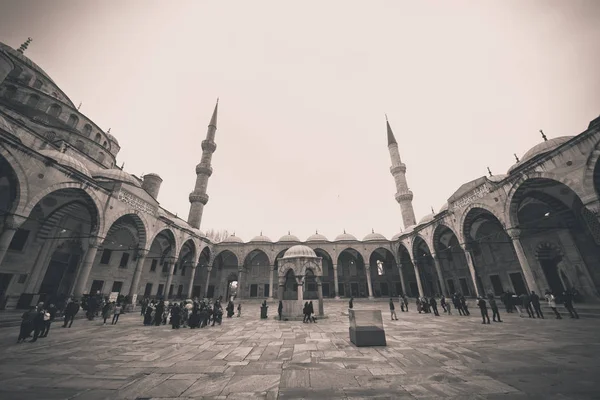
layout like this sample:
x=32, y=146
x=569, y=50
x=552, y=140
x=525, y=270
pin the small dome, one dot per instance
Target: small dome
x=289, y=238
x=444, y=208
x=261, y=238
x=66, y=160
x=374, y=236
x=426, y=219
x=299, y=251
x=232, y=239
x=112, y=138
x=396, y=236
x=344, y=237
x=496, y=178
x=4, y=125
x=115, y=174
x=408, y=229
x=317, y=237
x=541, y=148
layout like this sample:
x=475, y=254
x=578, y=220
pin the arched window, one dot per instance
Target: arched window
x=15, y=72
x=101, y=157
x=98, y=138
x=105, y=144
x=33, y=100
x=37, y=84
x=11, y=92
x=79, y=145
x=87, y=130
x=54, y=110
x=73, y=121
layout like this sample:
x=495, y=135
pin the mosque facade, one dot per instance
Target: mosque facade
x=72, y=222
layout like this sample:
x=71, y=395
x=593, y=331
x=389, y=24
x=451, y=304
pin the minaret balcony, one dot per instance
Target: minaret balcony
x=204, y=170
x=406, y=196
x=198, y=198
x=396, y=169
x=209, y=145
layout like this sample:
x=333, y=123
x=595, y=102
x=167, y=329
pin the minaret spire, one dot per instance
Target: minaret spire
x=24, y=46
x=403, y=195
x=199, y=198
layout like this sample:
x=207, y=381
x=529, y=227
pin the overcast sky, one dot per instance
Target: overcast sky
x=304, y=87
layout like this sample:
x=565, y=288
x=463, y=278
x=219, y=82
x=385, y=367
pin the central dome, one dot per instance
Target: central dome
x=299, y=251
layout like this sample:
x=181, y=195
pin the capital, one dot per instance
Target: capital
x=209, y=268
x=514, y=233
x=142, y=253
x=94, y=242
x=335, y=267
x=13, y=222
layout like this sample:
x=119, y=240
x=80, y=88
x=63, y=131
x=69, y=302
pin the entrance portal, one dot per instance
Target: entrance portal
x=549, y=256
x=232, y=289
x=60, y=274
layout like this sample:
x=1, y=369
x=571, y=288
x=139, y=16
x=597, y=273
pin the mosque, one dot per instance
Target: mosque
x=73, y=222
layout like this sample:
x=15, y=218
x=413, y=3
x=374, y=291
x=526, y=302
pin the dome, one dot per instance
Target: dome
x=408, y=229
x=299, y=251
x=542, y=148
x=288, y=238
x=4, y=125
x=66, y=160
x=115, y=174
x=25, y=60
x=232, y=239
x=496, y=178
x=444, y=208
x=396, y=236
x=426, y=219
x=344, y=237
x=261, y=238
x=374, y=236
x=112, y=138
x=317, y=237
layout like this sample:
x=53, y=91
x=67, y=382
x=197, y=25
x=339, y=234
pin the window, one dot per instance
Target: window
x=105, y=259
x=33, y=100
x=171, y=290
x=22, y=278
x=179, y=291
x=211, y=291
x=105, y=144
x=96, y=287
x=37, y=84
x=267, y=290
x=124, y=260
x=101, y=157
x=73, y=121
x=380, y=270
x=19, y=240
x=451, y=287
x=153, y=266
x=196, y=291
x=98, y=138
x=253, y=290
x=117, y=286
x=87, y=130
x=160, y=290
x=11, y=92
x=464, y=287
x=148, y=290
x=54, y=110
x=496, y=284
x=79, y=145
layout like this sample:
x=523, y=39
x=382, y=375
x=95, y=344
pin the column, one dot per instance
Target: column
x=240, y=292
x=438, y=269
x=418, y=275
x=86, y=267
x=191, y=285
x=39, y=267
x=402, y=283
x=369, y=285
x=11, y=224
x=208, y=269
x=281, y=288
x=171, y=264
x=320, y=295
x=525, y=267
x=271, y=270
x=137, y=275
x=471, y=265
x=335, y=281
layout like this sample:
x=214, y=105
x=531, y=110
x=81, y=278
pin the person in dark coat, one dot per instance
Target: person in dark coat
x=405, y=300
x=393, y=310
x=158, y=314
x=26, y=324
x=51, y=310
x=311, y=311
x=70, y=311
x=494, y=307
x=351, y=303
x=38, y=322
x=567, y=297
x=175, y=316
x=280, y=309
x=464, y=305
x=230, y=309
x=92, y=305
x=149, y=308
x=433, y=305
x=535, y=302
x=484, y=311
x=305, y=312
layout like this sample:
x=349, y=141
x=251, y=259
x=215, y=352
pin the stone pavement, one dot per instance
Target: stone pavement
x=427, y=357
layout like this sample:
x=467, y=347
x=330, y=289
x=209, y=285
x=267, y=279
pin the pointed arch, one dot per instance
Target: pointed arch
x=136, y=218
x=16, y=174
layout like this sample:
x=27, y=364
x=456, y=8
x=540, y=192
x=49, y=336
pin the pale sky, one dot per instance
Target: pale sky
x=304, y=86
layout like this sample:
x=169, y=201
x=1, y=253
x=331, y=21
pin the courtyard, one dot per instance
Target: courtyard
x=427, y=357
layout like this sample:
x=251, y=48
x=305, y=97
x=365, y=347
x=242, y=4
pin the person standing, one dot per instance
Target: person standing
x=38, y=322
x=26, y=324
x=526, y=301
x=116, y=314
x=494, y=307
x=393, y=310
x=464, y=305
x=70, y=312
x=568, y=303
x=175, y=316
x=535, y=302
x=239, y=310
x=351, y=303
x=405, y=302
x=48, y=319
x=552, y=303
x=484, y=311
x=433, y=305
x=443, y=303
x=280, y=309
x=106, y=311
x=158, y=312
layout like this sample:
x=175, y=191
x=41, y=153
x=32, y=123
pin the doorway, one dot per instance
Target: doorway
x=60, y=274
x=4, y=283
x=232, y=289
x=518, y=283
x=550, y=268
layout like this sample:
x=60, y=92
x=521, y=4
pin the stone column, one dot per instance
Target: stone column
x=169, y=278
x=137, y=275
x=240, y=292
x=471, y=265
x=418, y=276
x=300, y=290
x=525, y=267
x=191, y=285
x=438, y=270
x=336, y=282
x=281, y=288
x=369, y=284
x=11, y=224
x=86, y=267
x=39, y=267
x=402, y=283
x=208, y=269
x=320, y=295
x=271, y=270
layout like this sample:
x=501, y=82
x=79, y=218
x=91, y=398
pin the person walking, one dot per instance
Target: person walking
x=494, y=307
x=443, y=303
x=568, y=303
x=405, y=299
x=433, y=305
x=239, y=310
x=526, y=303
x=48, y=319
x=552, y=303
x=484, y=311
x=70, y=311
x=117, y=313
x=106, y=311
x=38, y=322
x=535, y=302
x=26, y=324
x=280, y=309
x=464, y=305
x=393, y=310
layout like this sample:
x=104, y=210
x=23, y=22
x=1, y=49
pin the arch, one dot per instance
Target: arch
x=548, y=250
x=591, y=171
x=53, y=219
x=191, y=245
x=261, y=249
x=38, y=84
x=54, y=110
x=97, y=138
x=129, y=216
x=15, y=172
x=168, y=232
x=205, y=257
x=278, y=257
x=99, y=209
x=105, y=144
x=221, y=255
x=33, y=100
x=87, y=130
x=187, y=256
x=469, y=213
x=73, y=121
x=384, y=272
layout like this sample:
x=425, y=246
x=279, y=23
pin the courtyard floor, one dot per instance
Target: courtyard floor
x=427, y=357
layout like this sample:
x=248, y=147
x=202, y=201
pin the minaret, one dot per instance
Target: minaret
x=199, y=198
x=398, y=169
